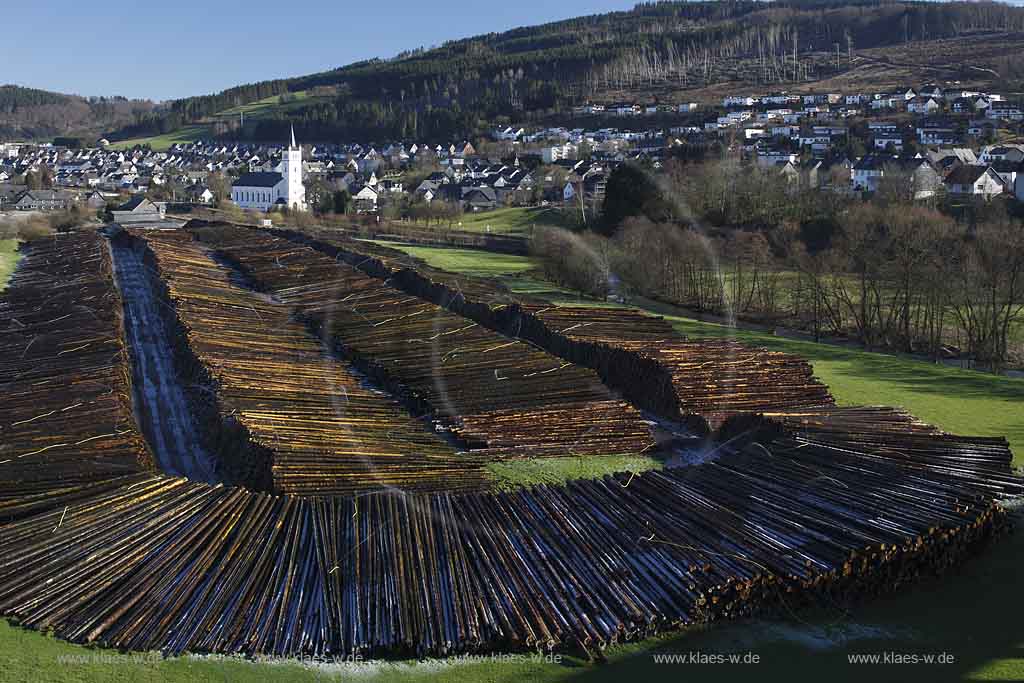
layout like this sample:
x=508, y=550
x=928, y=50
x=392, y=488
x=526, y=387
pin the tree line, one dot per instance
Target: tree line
x=935, y=277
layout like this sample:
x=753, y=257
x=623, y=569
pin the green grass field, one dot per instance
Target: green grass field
x=512, y=221
x=8, y=260
x=518, y=221
x=162, y=143
x=511, y=270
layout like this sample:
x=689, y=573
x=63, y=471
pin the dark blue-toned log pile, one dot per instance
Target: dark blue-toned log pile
x=177, y=565
x=788, y=507
x=65, y=396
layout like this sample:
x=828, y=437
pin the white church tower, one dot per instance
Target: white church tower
x=291, y=169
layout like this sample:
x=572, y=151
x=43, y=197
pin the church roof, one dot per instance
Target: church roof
x=267, y=179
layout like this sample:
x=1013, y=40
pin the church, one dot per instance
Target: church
x=266, y=191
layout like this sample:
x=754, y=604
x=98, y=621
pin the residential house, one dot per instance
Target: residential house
x=738, y=101
x=139, y=209
x=95, y=200
x=1004, y=111
x=889, y=140
x=365, y=199
x=479, y=198
x=1007, y=172
x=199, y=194
x=992, y=154
x=509, y=133
x=937, y=132
x=45, y=200
x=975, y=181
x=923, y=105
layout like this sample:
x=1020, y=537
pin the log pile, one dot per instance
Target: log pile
x=895, y=436
x=160, y=563
x=65, y=391
x=326, y=430
x=502, y=396
x=690, y=382
x=713, y=377
x=801, y=502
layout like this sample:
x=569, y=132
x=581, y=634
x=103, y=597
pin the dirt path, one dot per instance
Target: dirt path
x=160, y=400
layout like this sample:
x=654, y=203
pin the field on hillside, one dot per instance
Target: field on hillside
x=162, y=143
x=206, y=129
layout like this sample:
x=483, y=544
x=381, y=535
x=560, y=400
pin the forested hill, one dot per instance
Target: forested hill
x=527, y=73
x=30, y=114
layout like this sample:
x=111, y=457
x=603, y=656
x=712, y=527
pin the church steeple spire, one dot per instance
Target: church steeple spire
x=293, y=138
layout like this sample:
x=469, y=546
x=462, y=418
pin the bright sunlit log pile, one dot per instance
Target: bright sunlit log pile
x=644, y=361
x=500, y=395
x=327, y=432
x=65, y=397
x=796, y=507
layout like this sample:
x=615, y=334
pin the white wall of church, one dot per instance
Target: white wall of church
x=290, y=188
x=257, y=198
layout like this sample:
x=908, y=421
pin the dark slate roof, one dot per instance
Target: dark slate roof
x=269, y=179
x=132, y=203
x=1003, y=166
x=966, y=175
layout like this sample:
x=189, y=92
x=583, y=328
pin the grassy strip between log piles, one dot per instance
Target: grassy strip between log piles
x=9, y=257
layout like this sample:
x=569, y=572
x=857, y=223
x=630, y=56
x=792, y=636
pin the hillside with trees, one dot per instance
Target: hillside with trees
x=31, y=114
x=652, y=51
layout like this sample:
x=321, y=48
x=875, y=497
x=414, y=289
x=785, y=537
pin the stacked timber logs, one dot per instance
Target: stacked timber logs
x=498, y=394
x=802, y=503
x=325, y=430
x=636, y=377
x=65, y=397
x=898, y=437
x=687, y=382
x=159, y=563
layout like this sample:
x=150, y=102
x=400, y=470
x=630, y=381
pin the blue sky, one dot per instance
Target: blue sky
x=163, y=50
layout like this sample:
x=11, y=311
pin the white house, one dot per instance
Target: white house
x=738, y=101
x=1004, y=111
x=508, y=133
x=1011, y=153
x=558, y=152
x=974, y=180
x=265, y=190
x=922, y=105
